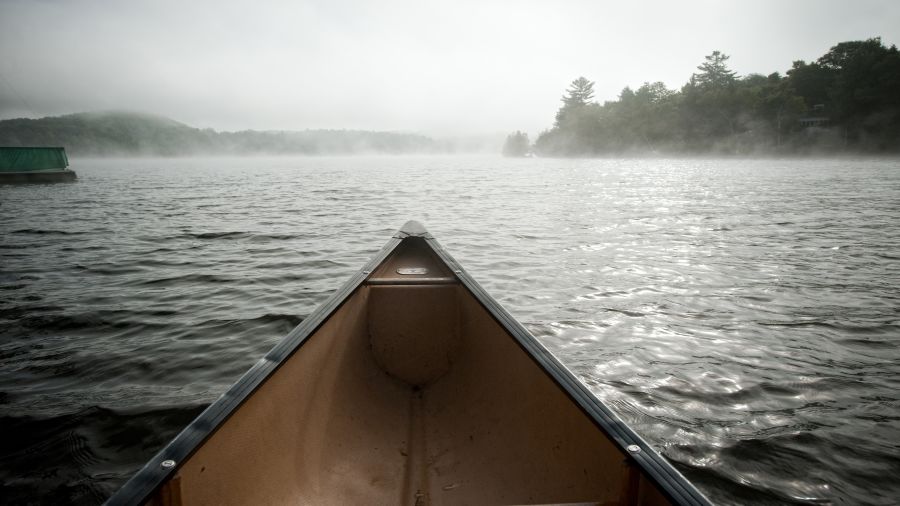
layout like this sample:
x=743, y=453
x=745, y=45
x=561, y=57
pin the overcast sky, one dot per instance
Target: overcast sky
x=452, y=67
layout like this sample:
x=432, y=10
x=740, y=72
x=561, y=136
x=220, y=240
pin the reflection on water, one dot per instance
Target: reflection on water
x=741, y=315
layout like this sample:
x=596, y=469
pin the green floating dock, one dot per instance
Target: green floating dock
x=34, y=165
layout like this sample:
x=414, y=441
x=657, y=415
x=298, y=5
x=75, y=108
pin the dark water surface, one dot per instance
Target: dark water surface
x=743, y=316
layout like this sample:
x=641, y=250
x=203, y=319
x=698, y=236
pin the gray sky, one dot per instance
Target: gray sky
x=452, y=67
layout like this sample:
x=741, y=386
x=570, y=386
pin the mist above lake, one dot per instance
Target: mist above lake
x=431, y=68
x=697, y=212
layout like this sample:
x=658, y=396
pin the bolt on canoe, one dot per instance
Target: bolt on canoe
x=410, y=385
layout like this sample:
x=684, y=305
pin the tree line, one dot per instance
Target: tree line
x=848, y=100
x=134, y=134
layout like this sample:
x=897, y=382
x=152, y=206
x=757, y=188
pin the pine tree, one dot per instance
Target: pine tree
x=714, y=72
x=579, y=94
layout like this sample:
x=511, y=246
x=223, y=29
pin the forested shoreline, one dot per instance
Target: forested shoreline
x=136, y=134
x=847, y=101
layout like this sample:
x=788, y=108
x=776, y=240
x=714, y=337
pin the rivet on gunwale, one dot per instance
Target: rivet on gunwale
x=634, y=448
x=166, y=464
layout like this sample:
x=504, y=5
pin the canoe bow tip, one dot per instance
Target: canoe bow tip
x=412, y=228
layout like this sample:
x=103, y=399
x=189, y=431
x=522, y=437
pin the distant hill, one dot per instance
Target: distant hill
x=136, y=134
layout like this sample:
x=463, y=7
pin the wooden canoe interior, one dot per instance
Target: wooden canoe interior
x=410, y=393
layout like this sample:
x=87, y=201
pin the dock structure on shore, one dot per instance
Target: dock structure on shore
x=34, y=165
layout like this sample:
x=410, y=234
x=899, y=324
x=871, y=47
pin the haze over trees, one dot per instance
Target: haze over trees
x=848, y=100
x=134, y=134
x=517, y=144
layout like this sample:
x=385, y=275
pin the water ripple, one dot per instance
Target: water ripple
x=742, y=315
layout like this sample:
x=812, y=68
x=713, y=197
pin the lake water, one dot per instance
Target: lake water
x=742, y=315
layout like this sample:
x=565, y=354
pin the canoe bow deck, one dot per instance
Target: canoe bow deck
x=410, y=385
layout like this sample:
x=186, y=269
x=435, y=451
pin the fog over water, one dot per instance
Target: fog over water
x=740, y=313
x=438, y=68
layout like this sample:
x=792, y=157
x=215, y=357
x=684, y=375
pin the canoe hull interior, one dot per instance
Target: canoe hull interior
x=411, y=392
